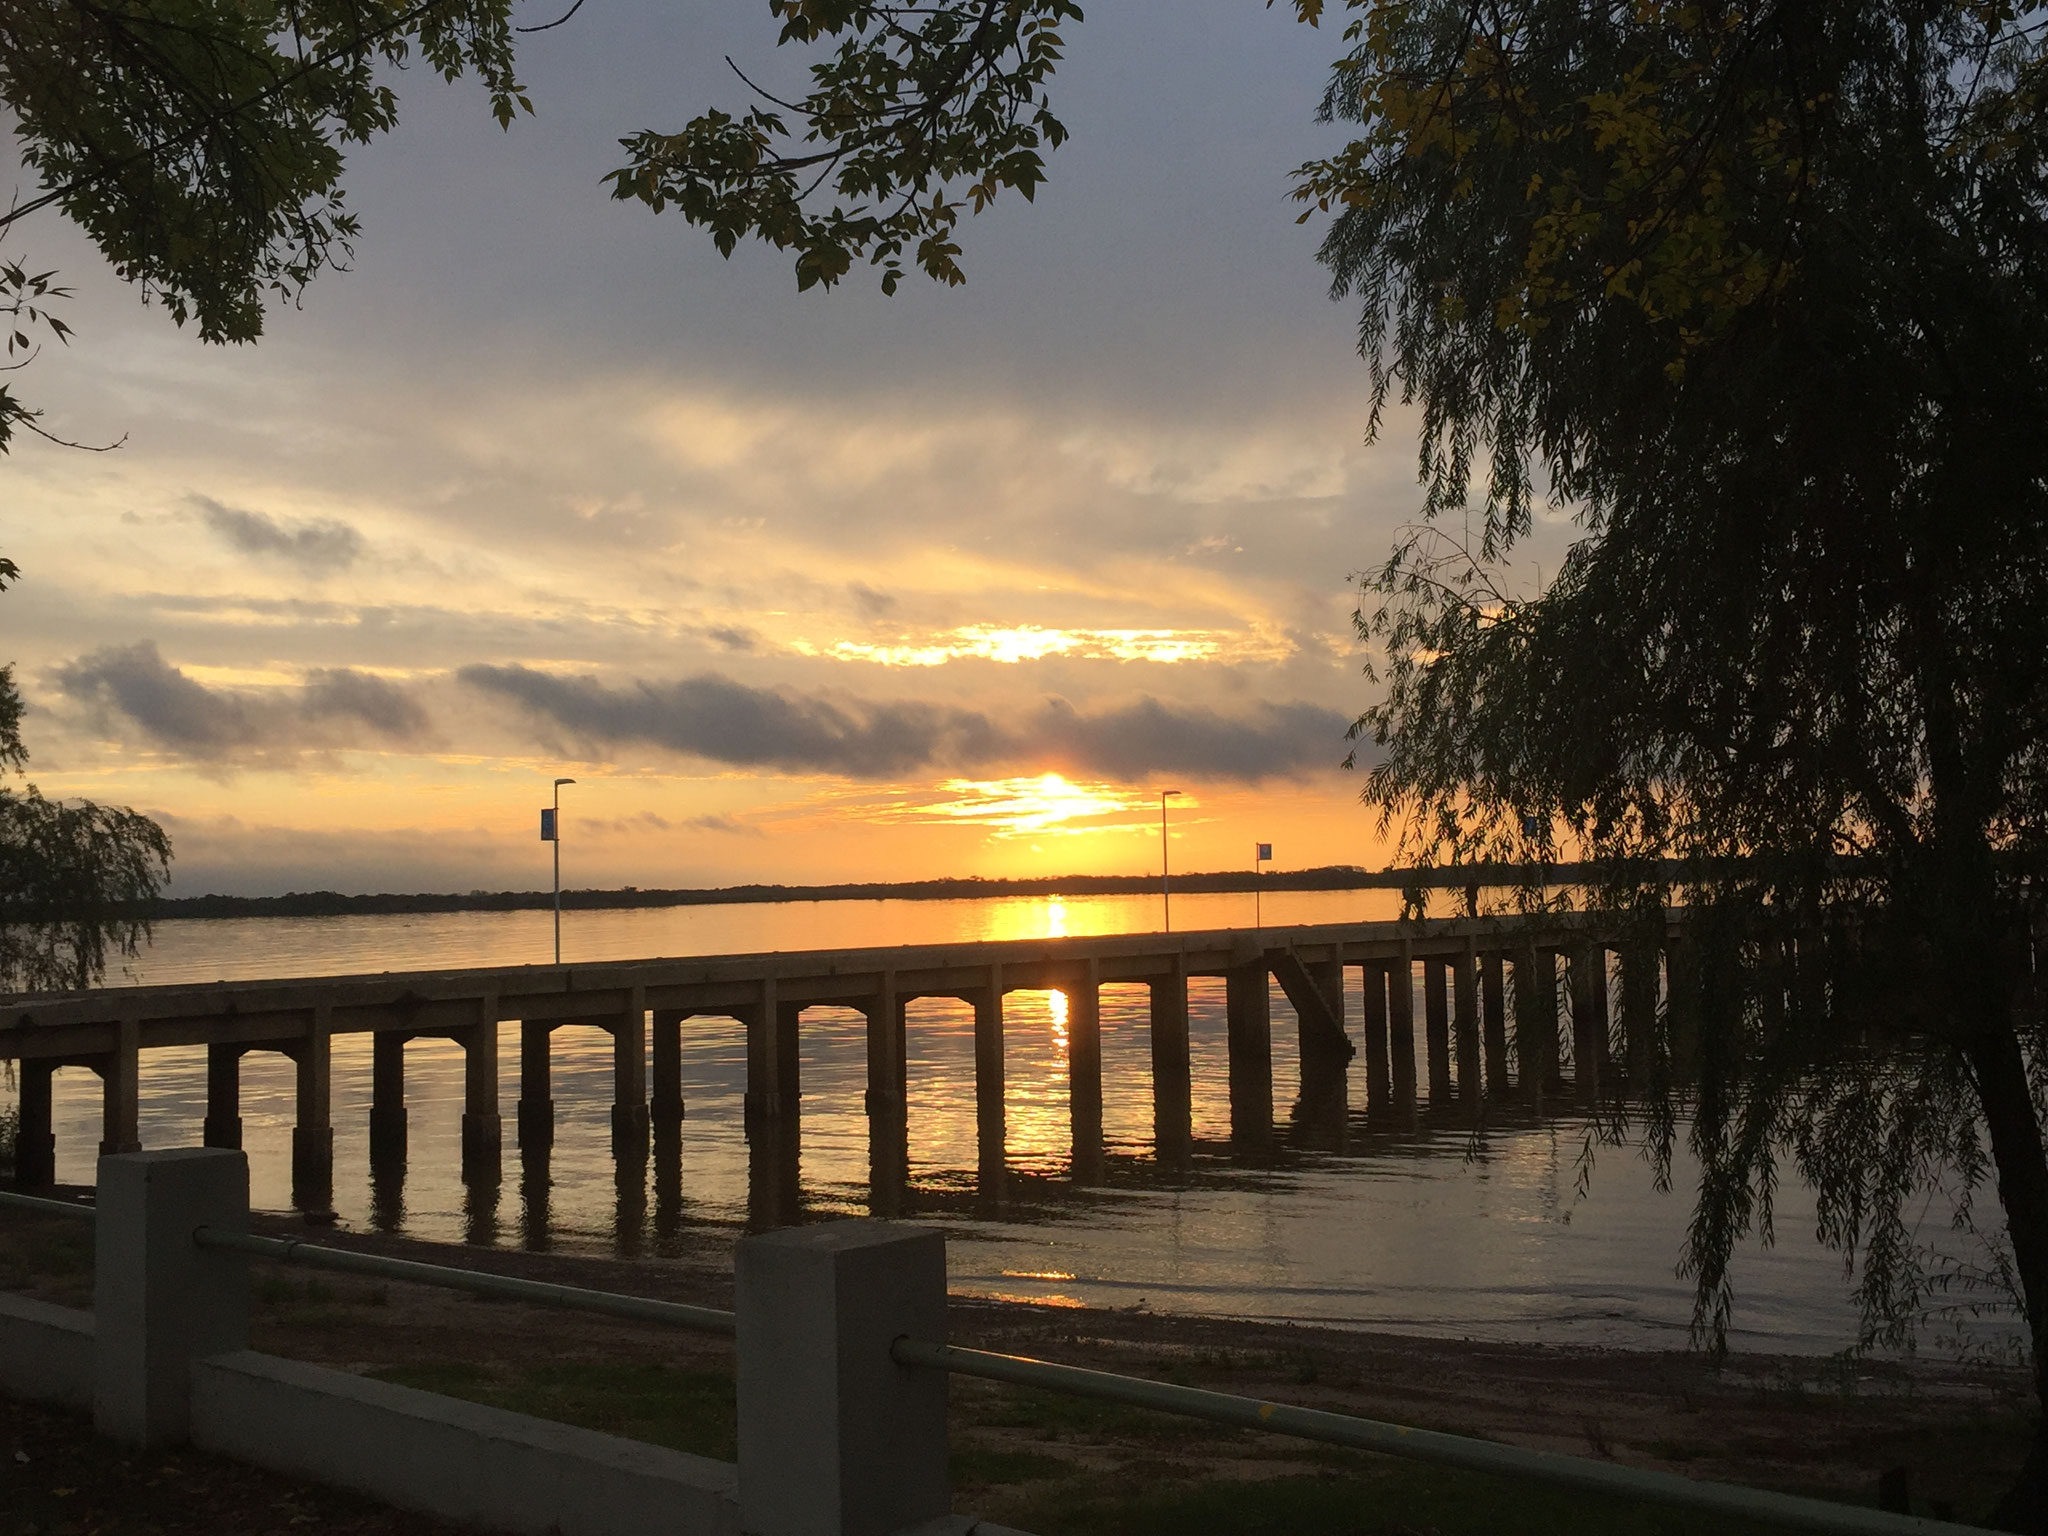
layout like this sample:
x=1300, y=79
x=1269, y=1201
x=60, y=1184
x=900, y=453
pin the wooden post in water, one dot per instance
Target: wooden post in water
x=1172, y=1083
x=387, y=1096
x=1682, y=1006
x=888, y=1124
x=1493, y=1008
x=536, y=1088
x=1465, y=1020
x=1589, y=1020
x=1436, y=1030
x=35, y=1140
x=1401, y=1033
x=1084, y=1071
x=991, y=1117
x=666, y=1110
x=1379, y=1084
x=629, y=1079
x=1248, y=1012
x=482, y=1129
x=313, y=1135
x=223, y=1124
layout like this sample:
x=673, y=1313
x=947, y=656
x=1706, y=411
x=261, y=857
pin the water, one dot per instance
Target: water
x=1428, y=1234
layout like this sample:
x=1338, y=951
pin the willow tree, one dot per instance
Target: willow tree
x=1758, y=294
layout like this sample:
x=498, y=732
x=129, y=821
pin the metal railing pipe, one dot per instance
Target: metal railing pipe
x=574, y=1298
x=43, y=1205
x=1574, y=1472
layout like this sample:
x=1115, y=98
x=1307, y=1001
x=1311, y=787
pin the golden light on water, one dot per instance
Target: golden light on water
x=1056, y=1009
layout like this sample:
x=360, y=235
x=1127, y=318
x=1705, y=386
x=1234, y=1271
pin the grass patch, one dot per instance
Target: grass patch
x=662, y=1405
x=975, y=1466
x=1400, y=1500
x=1056, y=1417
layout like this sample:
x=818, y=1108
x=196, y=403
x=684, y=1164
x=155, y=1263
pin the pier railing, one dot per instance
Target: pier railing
x=842, y=1361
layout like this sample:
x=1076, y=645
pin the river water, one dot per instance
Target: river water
x=1431, y=1233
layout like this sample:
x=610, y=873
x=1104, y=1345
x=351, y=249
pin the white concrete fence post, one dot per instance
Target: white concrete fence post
x=159, y=1300
x=835, y=1438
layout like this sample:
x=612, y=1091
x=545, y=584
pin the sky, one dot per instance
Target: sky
x=797, y=587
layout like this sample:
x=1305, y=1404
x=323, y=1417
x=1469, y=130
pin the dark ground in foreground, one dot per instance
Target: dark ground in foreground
x=1055, y=1466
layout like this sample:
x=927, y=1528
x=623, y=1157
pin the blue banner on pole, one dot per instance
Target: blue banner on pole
x=547, y=824
x=1265, y=850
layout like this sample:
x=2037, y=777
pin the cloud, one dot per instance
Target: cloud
x=713, y=717
x=134, y=688
x=315, y=545
x=733, y=637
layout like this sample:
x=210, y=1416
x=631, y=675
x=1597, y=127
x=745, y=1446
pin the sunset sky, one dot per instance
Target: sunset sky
x=798, y=588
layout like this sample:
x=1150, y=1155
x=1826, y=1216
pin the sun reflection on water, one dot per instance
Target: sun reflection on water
x=1056, y=1009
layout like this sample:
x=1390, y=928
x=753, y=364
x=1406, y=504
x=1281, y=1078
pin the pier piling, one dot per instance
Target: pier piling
x=35, y=1140
x=629, y=1077
x=223, y=1124
x=1493, y=1009
x=665, y=1110
x=1401, y=1034
x=387, y=1097
x=1084, y=1071
x=1589, y=1019
x=482, y=1129
x=888, y=1123
x=1172, y=1083
x=1379, y=1083
x=991, y=1116
x=313, y=1134
x=1465, y=1025
x=1436, y=1030
x=1248, y=1010
x=536, y=1107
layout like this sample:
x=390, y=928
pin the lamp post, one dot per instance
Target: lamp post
x=1165, y=890
x=551, y=831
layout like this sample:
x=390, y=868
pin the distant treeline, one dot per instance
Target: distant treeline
x=1335, y=877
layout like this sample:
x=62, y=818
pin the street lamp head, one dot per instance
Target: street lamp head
x=560, y=782
x=1168, y=793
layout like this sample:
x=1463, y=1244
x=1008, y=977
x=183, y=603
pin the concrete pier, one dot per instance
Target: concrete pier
x=387, y=1098
x=1493, y=1008
x=313, y=1134
x=1248, y=1012
x=223, y=1124
x=1084, y=1072
x=1471, y=1045
x=1172, y=1080
x=991, y=1115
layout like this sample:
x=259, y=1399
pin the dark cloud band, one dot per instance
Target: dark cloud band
x=724, y=721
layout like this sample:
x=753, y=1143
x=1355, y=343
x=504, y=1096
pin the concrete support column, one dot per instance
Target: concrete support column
x=1379, y=1082
x=629, y=1079
x=991, y=1116
x=159, y=1300
x=120, y=1091
x=1682, y=1007
x=1172, y=1080
x=1436, y=1029
x=835, y=1438
x=223, y=1125
x=1465, y=1023
x=666, y=1110
x=482, y=1129
x=1536, y=1022
x=1322, y=1110
x=1493, y=1013
x=313, y=1133
x=1638, y=1012
x=1248, y=1009
x=1589, y=1019
x=536, y=1087
x=887, y=1093
x=771, y=1089
x=387, y=1098
x=1084, y=1071
x=35, y=1140
x=1401, y=1032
